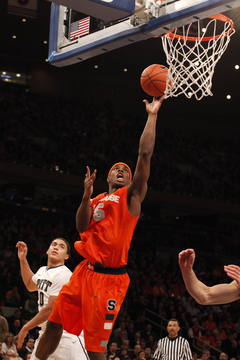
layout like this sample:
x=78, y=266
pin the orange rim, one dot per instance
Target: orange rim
x=220, y=17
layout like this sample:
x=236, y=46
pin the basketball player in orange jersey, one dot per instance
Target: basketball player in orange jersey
x=93, y=297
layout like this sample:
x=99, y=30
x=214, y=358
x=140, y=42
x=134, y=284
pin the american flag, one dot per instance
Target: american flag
x=79, y=28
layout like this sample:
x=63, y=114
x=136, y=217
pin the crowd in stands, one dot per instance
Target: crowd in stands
x=59, y=135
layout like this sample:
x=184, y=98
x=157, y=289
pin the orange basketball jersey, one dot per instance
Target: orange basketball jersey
x=108, y=237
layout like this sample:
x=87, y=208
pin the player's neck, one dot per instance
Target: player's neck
x=51, y=264
x=113, y=189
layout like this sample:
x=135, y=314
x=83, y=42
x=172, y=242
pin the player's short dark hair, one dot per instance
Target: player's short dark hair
x=66, y=242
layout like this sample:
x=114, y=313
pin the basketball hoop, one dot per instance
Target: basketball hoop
x=192, y=55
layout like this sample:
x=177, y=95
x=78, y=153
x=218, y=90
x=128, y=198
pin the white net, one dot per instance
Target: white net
x=192, y=55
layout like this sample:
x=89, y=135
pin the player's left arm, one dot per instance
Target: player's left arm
x=138, y=187
x=38, y=319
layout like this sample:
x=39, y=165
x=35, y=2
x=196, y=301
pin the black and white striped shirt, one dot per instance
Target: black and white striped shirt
x=176, y=348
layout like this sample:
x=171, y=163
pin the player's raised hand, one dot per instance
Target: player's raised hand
x=186, y=259
x=154, y=106
x=233, y=271
x=22, y=250
x=88, y=182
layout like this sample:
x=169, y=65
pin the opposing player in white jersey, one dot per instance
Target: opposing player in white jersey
x=48, y=281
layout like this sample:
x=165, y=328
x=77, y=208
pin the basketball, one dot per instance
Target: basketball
x=153, y=79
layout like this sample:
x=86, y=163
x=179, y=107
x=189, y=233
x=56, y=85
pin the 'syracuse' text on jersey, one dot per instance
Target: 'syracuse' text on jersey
x=108, y=237
x=49, y=282
x=173, y=349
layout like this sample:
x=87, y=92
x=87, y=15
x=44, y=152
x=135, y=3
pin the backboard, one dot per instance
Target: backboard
x=151, y=18
x=106, y=10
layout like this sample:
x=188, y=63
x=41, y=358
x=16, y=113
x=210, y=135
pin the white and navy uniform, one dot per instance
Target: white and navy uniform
x=49, y=282
x=176, y=348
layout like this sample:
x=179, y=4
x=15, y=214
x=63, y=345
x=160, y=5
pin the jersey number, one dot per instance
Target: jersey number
x=98, y=213
x=41, y=298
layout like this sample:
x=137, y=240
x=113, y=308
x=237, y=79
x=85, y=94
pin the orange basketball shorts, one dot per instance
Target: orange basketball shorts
x=90, y=301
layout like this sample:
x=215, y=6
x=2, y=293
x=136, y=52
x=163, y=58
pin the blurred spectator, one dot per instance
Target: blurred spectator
x=184, y=325
x=15, y=327
x=143, y=344
x=120, y=338
x=223, y=356
x=1, y=352
x=30, y=305
x=8, y=343
x=141, y=355
x=137, y=339
x=237, y=326
x=16, y=340
x=147, y=332
x=219, y=317
x=207, y=352
x=16, y=316
x=151, y=342
x=122, y=328
x=217, y=349
x=130, y=333
x=199, y=318
x=148, y=353
x=194, y=331
x=221, y=333
x=28, y=349
x=233, y=350
x=112, y=349
x=206, y=340
x=194, y=356
x=3, y=327
x=228, y=325
x=209, y=323
x=191, y=309
x=13, y=298
x=123, y=353
x=204, y=356
x=136, y=350
x=140, y=323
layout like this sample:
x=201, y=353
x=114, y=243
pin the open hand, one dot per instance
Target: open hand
x=88, y=182
x=154, y=106
x=22, y=250
x=233, y=271
x=186, y=259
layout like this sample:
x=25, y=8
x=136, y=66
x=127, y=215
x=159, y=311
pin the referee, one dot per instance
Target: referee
x=173, y=347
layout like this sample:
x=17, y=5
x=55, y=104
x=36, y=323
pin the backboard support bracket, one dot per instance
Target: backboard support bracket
x=154, y=21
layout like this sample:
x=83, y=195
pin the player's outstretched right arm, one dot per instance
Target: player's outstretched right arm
x=205, y=295
x=138, y=187
x=26, y=272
